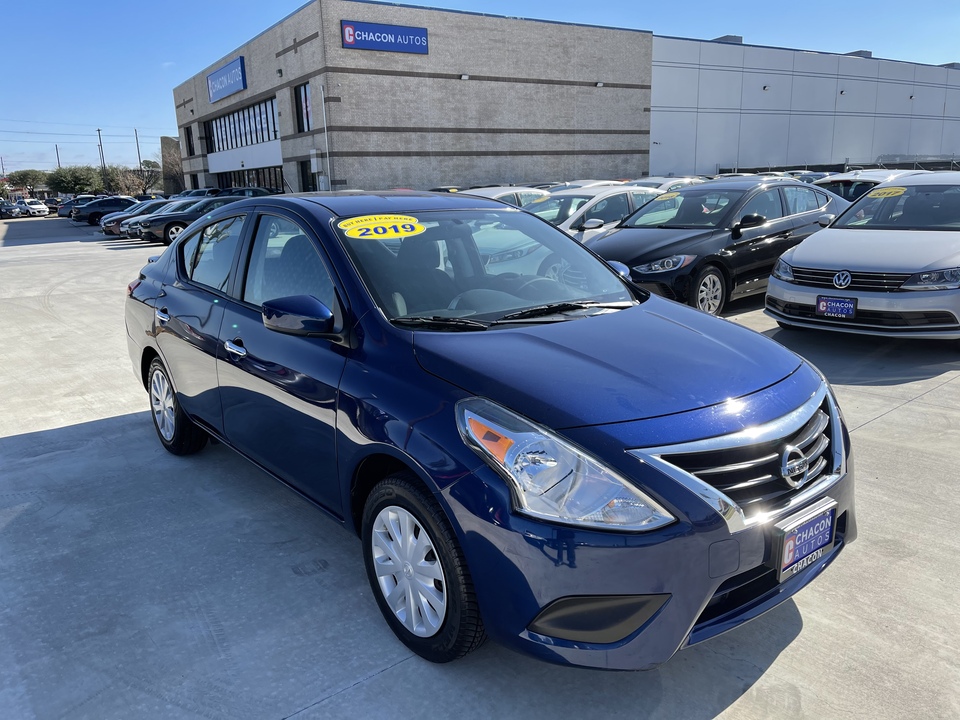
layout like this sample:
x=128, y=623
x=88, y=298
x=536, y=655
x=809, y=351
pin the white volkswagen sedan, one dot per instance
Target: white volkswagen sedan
x=889, y=265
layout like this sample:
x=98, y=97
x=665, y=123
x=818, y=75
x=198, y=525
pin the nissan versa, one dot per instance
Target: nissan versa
x=585, y=472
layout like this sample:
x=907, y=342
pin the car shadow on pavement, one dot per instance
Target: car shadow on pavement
x=24, y=232
x=131, y=574
x=848, y=359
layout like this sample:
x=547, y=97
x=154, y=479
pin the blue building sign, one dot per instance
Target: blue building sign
x=230, y=79
x=388, y=38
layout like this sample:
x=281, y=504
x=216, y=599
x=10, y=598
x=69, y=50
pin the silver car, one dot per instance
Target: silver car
x=889, y=265
x=585, y=212
x=851, y=185
x=516, y=196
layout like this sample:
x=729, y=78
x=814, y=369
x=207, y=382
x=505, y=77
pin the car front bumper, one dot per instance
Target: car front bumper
x=927, y=314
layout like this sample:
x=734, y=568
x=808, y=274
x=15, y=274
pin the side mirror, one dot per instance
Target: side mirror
x=746, y=222
x=592, y=224
x=620, y=269
x=826, y=219
x=298, y=315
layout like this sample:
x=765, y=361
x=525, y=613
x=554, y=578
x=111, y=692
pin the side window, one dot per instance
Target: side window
x=766, y=203
x=641, y=198
x=510, y=198
x=527, y=197
x=610, y=209
x=284, y=262
x=207, y=255
x=800, y=200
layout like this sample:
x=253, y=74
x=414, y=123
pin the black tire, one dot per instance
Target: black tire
x=460, y=630
x=171, y=232
x=93, y=218
x=709, y=291
x=186, y=437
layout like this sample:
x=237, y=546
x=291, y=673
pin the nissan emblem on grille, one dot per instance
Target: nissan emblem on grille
x=794, y=466
x=842, y=279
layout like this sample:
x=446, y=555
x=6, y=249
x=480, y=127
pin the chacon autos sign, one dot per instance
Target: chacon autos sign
x=225, y=81
x=387, y=38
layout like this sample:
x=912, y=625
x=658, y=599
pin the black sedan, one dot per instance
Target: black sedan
x=93, y=211
x=166, y=227
x=710, y=243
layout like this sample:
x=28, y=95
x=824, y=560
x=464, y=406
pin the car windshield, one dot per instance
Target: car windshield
x=484, y=266
x=555, y=209
x=688, y=208
x=920, y=207
x=181, y=206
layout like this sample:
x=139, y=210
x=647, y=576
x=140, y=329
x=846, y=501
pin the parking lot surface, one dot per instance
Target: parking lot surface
x=134, y=583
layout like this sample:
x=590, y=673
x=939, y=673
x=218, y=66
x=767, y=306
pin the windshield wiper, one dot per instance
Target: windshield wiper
x=559, y=307
x=445, y=323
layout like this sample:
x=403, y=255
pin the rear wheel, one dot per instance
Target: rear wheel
x=173, y=232
x=418, y=573
x=93, y=218
x=177, y=432
x=709, y=291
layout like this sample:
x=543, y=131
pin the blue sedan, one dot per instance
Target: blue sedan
x=570, y=465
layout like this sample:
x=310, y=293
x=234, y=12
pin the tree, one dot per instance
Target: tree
x=75, y=179
x=172, y=164
x=27, y=178
x=148, y=175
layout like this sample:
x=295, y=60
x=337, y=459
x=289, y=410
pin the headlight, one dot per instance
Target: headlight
x=144, y=224
x=783, y=271
x=934, y=280
x=551, y=479
x=663, y=265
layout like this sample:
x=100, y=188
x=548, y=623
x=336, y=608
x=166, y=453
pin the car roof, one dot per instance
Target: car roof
x=597, y=190
x=500, y=190
x=358, y=202
x=876, y=175
x=926, y=178
x=742, y=183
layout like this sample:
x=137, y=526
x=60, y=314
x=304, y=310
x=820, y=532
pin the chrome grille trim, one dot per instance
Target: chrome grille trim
x=869, y=281
x=809, y=416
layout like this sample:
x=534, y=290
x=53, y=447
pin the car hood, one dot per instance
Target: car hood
x=878, y=250
x=163, y=217
x=629, y=245
x=655, y=359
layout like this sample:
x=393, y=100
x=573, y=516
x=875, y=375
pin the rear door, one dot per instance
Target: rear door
x=189, y=312
x=279, y=391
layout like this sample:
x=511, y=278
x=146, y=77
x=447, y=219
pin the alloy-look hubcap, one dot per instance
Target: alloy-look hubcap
x=409, y=571
x=161, y=399
x=708, y=294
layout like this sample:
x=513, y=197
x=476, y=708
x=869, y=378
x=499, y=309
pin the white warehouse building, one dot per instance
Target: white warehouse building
x=720, y=104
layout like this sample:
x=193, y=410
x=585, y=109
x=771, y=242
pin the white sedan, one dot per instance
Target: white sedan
x=32, y=207
x=516, y=196
x=585, y=212
x=889, y=265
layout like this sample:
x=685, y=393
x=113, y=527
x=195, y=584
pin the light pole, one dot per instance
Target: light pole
x=103, y=164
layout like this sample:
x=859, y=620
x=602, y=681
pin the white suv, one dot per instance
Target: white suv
x=32, y=207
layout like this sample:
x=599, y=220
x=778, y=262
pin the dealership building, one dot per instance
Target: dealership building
x=356, y=94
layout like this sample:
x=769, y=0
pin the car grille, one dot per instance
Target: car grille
x=880, y=319
x=865, y=281
x=759, y=471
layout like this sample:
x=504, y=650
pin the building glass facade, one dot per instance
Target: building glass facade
x=247, y=126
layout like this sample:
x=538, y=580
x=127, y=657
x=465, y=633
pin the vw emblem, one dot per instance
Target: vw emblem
x=794, y=466
x=842, y=279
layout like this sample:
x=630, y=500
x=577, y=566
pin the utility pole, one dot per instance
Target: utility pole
x=103, y=164
x=137, y=138
x=57, y=147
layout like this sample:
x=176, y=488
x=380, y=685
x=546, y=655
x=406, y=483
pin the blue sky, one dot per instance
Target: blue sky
x=113, y=64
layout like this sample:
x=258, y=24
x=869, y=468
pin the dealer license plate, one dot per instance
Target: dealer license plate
x=803, y=539
x=836, y=307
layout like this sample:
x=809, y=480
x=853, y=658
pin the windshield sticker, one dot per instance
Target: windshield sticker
x=666, y=196
x=887, y=192
x=381, y=227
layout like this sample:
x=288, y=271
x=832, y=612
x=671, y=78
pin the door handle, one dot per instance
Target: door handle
x=235, y=349
x=162, y=315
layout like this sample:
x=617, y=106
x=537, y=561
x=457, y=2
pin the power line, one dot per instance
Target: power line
x=47, y=122
x=56, y=134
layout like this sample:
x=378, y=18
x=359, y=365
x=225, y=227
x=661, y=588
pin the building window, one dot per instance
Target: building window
x=191, y=151
x=301, y=94
x=194, y=182
x=308, y=181
x=249, y=126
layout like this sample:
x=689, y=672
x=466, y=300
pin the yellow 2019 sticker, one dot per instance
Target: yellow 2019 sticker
x=887, y=192
x=381, y=227
x=666, y=196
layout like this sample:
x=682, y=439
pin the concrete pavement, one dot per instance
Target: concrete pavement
x=137, y=584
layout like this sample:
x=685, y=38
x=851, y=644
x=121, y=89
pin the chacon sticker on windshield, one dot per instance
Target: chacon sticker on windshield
x=381, y=227
x=887, y=192
x=666, y=196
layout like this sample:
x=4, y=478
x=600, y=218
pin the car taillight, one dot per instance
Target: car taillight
x=133, y=286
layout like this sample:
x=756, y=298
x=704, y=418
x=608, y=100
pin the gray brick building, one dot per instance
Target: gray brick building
x=448, y=98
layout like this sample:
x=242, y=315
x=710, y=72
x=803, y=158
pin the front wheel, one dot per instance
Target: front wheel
x=93, y=218
x=173, y=232
x=178, y=433
x=709, y=291
x=418, y=573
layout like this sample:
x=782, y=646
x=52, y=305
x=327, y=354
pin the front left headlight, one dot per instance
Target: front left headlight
x=783, y=271
x=664, y=264
x=549, y=478
x=948, y=279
